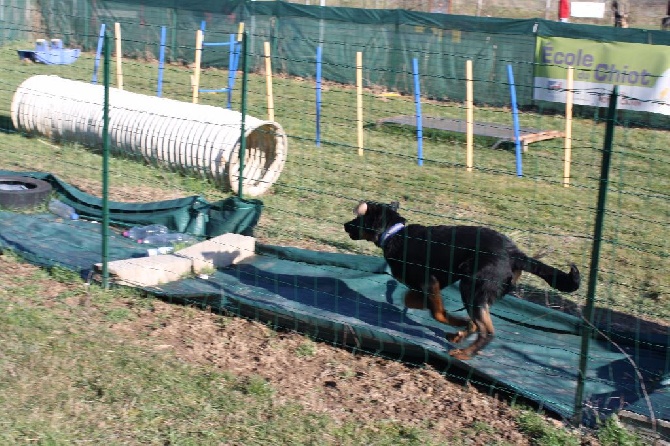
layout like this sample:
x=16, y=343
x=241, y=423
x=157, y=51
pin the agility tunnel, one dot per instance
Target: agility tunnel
x=180, y=136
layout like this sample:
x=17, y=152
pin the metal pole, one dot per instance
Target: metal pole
x=321, y=24
x=173, y=40
x=243, y=110
x=515, y=120
x=96, y=64
x=318, y=95
x=419, y=118
x=161, y=63
x=587, y=332
x=105, y=167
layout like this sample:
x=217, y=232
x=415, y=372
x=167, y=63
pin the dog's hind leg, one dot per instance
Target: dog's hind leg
x=477, y=301
x=484, y=327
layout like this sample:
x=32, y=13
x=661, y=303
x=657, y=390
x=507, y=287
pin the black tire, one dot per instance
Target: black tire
x=35, y=193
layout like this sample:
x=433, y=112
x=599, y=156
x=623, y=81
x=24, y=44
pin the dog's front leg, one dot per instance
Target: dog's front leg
x=460, y=336
x=431, y=298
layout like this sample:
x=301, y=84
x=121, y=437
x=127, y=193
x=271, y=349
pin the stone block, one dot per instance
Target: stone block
x=219, y=252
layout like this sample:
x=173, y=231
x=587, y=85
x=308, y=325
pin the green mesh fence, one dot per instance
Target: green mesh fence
x=325, y=176
x=388, y=38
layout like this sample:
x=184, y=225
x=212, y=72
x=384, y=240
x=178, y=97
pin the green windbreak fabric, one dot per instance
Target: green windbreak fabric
x=193, y=215
x=389, y=40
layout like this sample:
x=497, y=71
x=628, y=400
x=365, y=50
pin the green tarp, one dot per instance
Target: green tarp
x=349, y=299
x=352, y=300
x=193, y=215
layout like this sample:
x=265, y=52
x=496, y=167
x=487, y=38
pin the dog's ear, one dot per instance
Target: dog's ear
x=361, y=209
x=394, y=205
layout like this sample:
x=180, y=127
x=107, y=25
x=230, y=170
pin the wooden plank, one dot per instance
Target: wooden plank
x=504, y=133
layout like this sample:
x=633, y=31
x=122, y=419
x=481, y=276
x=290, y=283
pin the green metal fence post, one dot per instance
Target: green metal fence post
x=243, y=110
x=105, y=166
x=587, y=325
x=173, y=35
x=85, y=42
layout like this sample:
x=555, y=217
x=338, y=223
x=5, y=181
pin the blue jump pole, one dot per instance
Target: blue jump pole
x=417, y=101
x=233, y=65
x=96, y=65
x=233, y=59
x=161, y=62
x=318, y=95
x=515, y=115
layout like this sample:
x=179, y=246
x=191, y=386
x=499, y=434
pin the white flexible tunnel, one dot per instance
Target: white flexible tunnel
x=181, y=135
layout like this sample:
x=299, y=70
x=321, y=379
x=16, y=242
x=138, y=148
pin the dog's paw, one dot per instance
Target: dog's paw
x=456, y=338
x=459, y=354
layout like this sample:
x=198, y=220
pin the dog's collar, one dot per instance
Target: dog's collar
x=390, y=232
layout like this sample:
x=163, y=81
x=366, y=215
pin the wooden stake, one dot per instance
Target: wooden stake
x=119, y=56
x=359, y=99
x=469, y=120
x=195, y=79
x=568, y=127
x=268, y=81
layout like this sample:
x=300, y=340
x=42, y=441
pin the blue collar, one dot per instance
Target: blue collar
x=390, y=232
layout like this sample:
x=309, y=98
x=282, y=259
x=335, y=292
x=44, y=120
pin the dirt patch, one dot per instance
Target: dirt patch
x=322, y=378
x=330, y=380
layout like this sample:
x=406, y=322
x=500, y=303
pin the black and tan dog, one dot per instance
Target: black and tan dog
x=427, y=259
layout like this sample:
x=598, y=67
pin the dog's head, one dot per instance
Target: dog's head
x=372, y=219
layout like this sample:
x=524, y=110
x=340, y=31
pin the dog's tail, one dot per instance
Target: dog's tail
x=565, y=282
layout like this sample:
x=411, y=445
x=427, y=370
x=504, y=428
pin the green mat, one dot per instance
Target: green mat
x=352, y=300
x=193, y=215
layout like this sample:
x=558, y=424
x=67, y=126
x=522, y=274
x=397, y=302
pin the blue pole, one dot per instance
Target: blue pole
x=101, y=39
x=515, y=114
x=203, y=25
x=417, y=101
x=318, y=95
x=233, y=59
x=161, y=62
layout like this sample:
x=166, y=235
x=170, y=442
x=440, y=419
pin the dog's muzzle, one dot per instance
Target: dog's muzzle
x=354, y=228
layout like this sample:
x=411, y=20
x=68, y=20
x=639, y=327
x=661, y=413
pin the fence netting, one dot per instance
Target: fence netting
x=392, y=128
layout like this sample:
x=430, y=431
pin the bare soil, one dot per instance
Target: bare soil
x=328, y=380
x=322, y=378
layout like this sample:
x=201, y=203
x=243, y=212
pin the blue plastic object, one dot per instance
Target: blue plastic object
x=515, y=117
x=419, y=117
x=233, y=64
x=319, y=53
x=50, y=53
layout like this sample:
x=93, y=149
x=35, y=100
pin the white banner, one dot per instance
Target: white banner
x=641, y=71
x=594, y=10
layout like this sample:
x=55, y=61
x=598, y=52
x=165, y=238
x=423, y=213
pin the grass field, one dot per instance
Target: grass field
x=315, y=194
x=319, y=186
